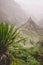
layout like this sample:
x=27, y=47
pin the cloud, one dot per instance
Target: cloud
x=34, y=7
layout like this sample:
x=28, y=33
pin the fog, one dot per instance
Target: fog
x=33, y=8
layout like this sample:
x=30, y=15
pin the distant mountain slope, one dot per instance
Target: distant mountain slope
x=12, y=12
x=31, y=28
x=41, y=22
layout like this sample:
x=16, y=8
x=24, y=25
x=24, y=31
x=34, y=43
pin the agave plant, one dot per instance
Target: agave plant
x=8, y=34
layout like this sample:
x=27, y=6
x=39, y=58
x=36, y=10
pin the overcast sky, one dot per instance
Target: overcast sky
x=32, y=7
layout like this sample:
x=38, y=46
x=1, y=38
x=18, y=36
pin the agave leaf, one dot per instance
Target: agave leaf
x=8, y=35
x=22, y=39
x=15, y=34
x=12, y=37
x=5, y=30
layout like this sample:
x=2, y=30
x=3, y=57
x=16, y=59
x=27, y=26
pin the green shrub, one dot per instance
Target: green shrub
x=32, y=61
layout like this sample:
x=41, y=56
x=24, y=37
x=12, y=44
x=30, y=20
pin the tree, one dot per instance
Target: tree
x=8, y=35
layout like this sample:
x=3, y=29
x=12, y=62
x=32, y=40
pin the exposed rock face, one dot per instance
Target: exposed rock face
x=31, y=28
x=41, y=22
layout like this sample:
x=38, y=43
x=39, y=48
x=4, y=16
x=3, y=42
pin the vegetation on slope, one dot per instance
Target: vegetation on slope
x=11, y=50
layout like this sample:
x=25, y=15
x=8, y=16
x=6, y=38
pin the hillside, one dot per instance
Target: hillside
x=12, y=12
x=31, y=28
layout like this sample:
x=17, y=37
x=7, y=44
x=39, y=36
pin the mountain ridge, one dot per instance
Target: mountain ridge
x=31, y=27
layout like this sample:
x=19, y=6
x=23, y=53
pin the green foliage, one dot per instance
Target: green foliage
x=27, y=55
x=32, y=61
x=9, y=39
x=18, y=62
x=8, y=35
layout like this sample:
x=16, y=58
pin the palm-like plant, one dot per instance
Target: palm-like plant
x=8, y=35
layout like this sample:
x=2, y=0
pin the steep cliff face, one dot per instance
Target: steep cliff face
x=31, y=28
x=41, y=23
x=12, y=12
